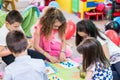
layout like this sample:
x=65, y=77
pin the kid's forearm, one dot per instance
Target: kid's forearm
x=39, y=49
x=63, y=46
x=106, y=52
x=4, y=51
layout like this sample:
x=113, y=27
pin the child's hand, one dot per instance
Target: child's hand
x=62, y=57
x=54, y=59
x=29, y=43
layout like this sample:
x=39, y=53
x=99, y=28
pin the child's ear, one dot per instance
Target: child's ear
x=6, y=23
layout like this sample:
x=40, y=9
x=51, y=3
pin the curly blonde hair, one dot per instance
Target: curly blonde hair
x=50, y=15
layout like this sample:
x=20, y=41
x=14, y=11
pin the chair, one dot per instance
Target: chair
x=99, y=11
x=89, y=14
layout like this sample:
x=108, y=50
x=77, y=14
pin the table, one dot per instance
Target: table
x=66, y=74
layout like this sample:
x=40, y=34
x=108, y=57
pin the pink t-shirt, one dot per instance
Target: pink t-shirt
x=53, y=45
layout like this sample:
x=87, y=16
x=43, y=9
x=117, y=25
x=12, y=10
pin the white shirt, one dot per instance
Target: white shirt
x=3, y=33
x=113, y=48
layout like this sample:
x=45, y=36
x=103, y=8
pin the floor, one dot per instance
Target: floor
x=100, y=24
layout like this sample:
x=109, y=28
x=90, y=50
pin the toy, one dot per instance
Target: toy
x=54, y=4
x=83, y=6
x=71, y=28
x=54, y=78
x=69, y=64
x=49, y=68
x=41, y=8
x=113, y=36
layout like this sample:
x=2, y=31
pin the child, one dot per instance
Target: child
x=24, y=67
x=13, y=22
x=49, y=36
x=86, y=28
x=95, y=64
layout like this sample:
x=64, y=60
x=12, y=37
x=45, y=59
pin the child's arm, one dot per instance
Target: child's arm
x=89, y=72
x=89, y=75
x=105, y=46
x=106, y=52
x=62, y=54
x=39, y=49
x=36, y=40
x=4, y=51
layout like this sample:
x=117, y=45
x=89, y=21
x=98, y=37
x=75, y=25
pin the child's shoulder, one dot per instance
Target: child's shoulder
x=11, y=67
x=38, y=62
x=3, y=27
x=38, y=65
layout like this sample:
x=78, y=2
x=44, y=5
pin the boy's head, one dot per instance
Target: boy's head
x=16, y=41
x=13, y=20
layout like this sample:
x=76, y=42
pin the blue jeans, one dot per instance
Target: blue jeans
x=116, y=71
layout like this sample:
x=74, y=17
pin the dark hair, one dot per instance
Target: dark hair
x=14, y=16
x=89, y=28
x=50, y=15
x=92, y=51
x=16, y=41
